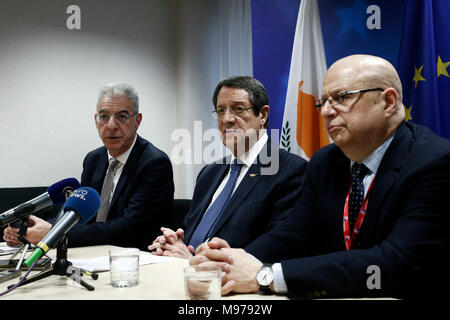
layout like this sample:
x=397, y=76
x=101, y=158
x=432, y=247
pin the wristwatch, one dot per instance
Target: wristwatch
x=264, y=277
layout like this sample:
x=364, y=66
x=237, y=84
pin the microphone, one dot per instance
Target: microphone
x=56, y=194
x=81, y=206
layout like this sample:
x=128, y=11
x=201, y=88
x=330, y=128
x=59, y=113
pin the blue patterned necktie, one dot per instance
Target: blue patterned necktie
x=212, y=214
x=359, y=171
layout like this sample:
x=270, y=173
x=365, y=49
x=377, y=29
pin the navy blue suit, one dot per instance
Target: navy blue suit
x=259, y=203
x=142, y=200
x=405, y=232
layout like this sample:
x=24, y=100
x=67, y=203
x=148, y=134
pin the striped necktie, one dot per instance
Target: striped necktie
x=105, y=197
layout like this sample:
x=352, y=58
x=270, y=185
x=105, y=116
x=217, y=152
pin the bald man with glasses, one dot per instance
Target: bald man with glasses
x=373, y=216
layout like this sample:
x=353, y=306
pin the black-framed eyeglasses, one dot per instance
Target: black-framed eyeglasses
x=236, y=111
x=340, y=97
x=122, y=117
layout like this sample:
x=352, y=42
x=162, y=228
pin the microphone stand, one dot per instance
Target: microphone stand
x=17, y=272
x=25, y=243
x=62, y=267
x=22, y=212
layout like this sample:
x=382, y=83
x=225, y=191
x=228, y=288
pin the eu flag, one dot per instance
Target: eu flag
x=423, y=64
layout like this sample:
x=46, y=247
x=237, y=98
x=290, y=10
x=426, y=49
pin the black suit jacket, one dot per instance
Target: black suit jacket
x=405, y=232
x=259, y=203
x=142, y=200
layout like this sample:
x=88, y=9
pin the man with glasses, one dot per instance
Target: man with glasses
x=245, y=195
x=133, y=177
x=373, y=216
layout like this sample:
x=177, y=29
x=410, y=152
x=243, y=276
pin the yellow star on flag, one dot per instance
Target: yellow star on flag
x=417, y=75
x=408, y=113
x=442, y=67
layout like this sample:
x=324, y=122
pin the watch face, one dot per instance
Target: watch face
x=265, y=276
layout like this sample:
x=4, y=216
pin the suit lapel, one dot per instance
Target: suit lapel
x=100, y=171
x=129, y=169
x=248, y=183
x=333, y=184
x=215, y=176
x=385, y=178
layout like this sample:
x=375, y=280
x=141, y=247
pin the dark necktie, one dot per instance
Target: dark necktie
x=212, y=214
x=106, y=192
x=359, y=171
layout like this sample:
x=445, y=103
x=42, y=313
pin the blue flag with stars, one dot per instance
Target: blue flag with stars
x=423, y=64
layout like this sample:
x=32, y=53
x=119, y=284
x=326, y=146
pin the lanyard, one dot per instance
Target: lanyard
x=350, y=239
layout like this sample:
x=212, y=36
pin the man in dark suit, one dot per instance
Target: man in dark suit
x=133, y=177
x=268, y=181
x=388, y=238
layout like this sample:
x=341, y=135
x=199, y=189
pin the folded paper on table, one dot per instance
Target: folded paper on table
x=5, y=249
x=99, y=264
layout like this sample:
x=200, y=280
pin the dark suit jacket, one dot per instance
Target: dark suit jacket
x=405, y=232
x=142, y=200
x=259, y=203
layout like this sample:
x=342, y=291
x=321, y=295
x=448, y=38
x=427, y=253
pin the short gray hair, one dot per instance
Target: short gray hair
x=120, y=89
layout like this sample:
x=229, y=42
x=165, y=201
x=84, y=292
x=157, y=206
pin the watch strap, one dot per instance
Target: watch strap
x=266, y=289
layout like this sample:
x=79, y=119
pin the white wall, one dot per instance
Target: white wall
x=50, y=77
x=213, y=42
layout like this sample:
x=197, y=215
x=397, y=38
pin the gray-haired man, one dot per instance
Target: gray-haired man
x=133, y=177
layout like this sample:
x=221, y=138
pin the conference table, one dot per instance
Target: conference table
x=162, y=280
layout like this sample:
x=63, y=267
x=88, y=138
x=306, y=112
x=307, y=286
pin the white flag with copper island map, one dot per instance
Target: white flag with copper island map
x=303, y=131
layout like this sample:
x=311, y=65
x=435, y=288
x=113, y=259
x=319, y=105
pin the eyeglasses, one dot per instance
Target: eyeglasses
x=235, y=111
x=340, y=97
x=122, y=117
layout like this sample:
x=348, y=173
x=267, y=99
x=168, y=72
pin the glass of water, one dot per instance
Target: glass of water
x=202, y=284
x=124, y=267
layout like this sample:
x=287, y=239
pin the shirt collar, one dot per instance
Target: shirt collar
x=250, y=156
x=374, y=159
x=124, y=156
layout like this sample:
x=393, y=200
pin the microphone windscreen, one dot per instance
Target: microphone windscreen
x=85, y=201
x=60, y=191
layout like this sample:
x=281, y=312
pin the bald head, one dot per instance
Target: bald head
x=363, y=120
x=370, y=71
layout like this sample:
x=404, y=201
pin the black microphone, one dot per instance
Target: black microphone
x=24, y=210
x=56, y=194
x=81, y=206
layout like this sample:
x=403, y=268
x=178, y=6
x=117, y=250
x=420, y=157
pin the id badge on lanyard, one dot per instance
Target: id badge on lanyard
x=349, y=239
